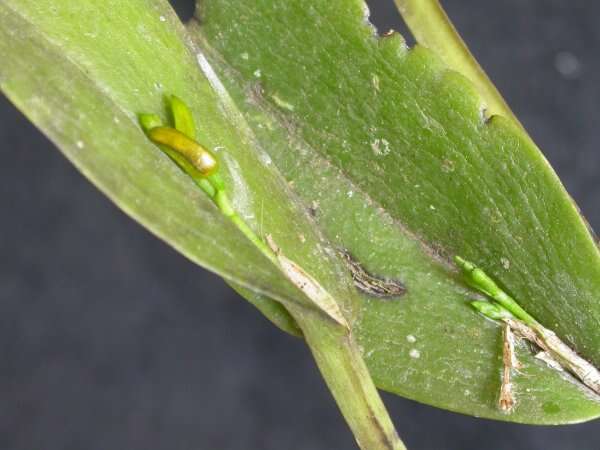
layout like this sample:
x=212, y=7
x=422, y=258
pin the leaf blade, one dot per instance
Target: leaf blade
x=404, y=137
x=79, y=116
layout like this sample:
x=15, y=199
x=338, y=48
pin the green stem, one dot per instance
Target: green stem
x=342, y=366
x=432, y=28
x=222, y=201
x=515, y=309
x=339, y=360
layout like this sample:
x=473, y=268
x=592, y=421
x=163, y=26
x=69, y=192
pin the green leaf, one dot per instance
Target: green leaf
x=73, y=79
x=83, y=71
x=385, y=148
x=406, y=171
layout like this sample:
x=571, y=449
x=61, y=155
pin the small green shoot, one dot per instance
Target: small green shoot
x=203, y=160
x=479, y=280
x=491, y=310
x=151, y=121
x=199, y=163
x=182, y=117
x=203, y=167
x=507, y=310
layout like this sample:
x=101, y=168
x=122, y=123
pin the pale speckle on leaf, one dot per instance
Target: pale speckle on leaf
x=282, y=103
x=375, y=81
x=448, y=166
x=381, y=147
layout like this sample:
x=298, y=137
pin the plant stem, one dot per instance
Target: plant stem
x=339, y=359
x=432, y=28
x=222, y=202
x=342, y=366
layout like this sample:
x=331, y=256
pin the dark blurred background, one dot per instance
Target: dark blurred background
x=111, y=340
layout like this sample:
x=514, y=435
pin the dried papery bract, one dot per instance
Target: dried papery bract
x=507, y=399
x=506, y=309
x=560, y=352
x=308, y=285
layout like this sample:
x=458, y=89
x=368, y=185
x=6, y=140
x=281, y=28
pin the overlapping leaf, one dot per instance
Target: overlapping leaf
x=406, y=172
x=384, y=147
x=82, y=73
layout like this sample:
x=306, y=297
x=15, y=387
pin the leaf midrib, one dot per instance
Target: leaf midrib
x=433, y=254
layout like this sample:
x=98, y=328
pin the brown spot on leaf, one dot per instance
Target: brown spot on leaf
x=371, y=284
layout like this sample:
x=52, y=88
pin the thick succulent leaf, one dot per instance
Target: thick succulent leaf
x=82, y=71
x=385, y=147
x=395, y=157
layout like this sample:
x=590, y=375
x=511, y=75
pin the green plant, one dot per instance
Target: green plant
x=369, y=165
